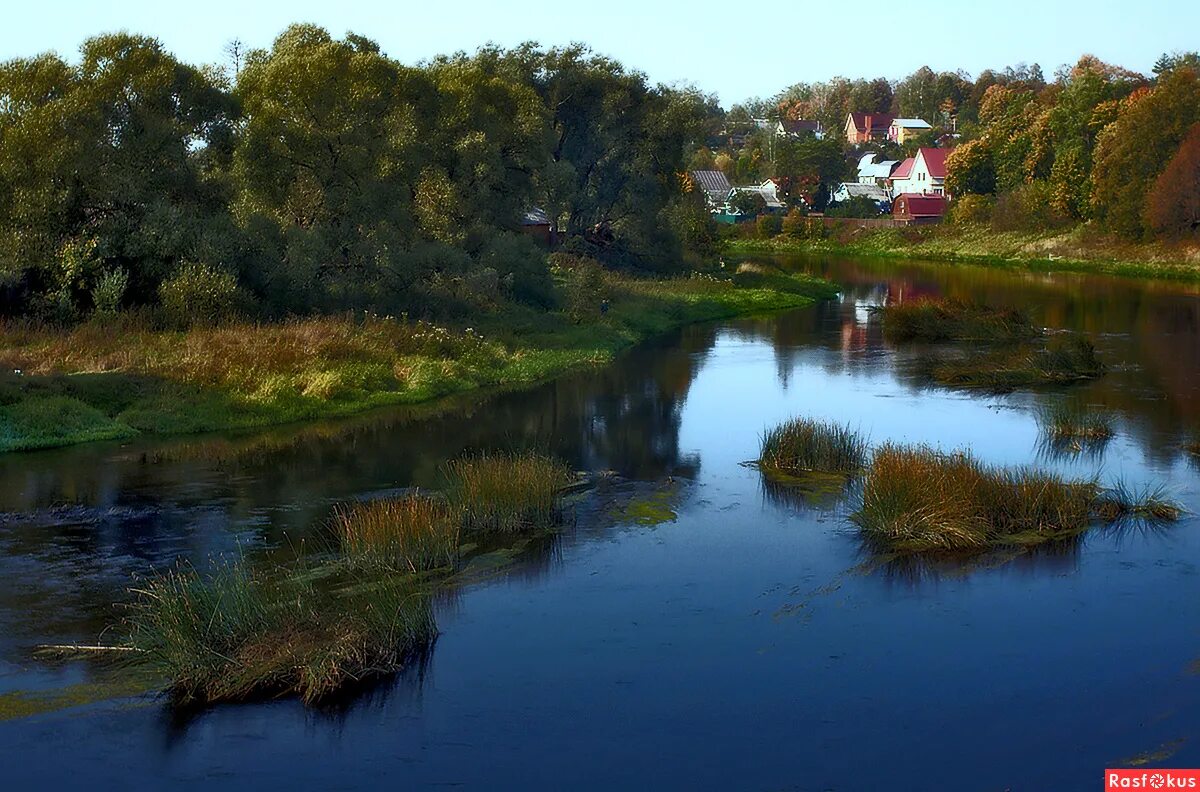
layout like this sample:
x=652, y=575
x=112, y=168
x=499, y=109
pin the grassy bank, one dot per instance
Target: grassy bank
x=121, y=378
x=1076, y=250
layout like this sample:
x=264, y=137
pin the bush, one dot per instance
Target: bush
x=768, y=225
x=1027, y=208
x=794, y=224
x=971, y=209
x=858, y=206
x=200, y=295
x=524, y=275
x=583, y=284
x=109, y=291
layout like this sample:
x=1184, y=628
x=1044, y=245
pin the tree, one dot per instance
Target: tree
x=1173, y=204
x=1137, y=146
x=969, y=169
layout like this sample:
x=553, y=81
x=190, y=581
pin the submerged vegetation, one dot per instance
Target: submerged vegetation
x=319, y=626
x=1065, y=359
x=918, y=499
x=955, y=320
x=802, y=446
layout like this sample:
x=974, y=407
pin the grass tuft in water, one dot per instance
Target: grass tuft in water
x=1149, y=503
x=802, y=445
x=505, y=493
x=955, y=320
x=917, y=499
x=410, y=533
x=1064, y=360
x=1067, y=421
x=232, y=635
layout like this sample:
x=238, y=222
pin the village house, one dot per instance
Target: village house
x=798, y=128
x=876, y=173
x=901, y=129
x=848, y=190
x=715, y=186
x=768, y=191
x=536, y=223
x=867, y=127
x=912, y=209
x=924, y=174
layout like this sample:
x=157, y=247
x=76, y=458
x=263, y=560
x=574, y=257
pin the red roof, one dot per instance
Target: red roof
x=919, y=205
x=935, y=161
x=877, y=121
x=905, y=169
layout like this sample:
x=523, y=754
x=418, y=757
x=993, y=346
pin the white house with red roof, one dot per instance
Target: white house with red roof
x=924, y=174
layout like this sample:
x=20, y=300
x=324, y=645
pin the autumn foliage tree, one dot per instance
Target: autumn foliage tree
x=1173, y=205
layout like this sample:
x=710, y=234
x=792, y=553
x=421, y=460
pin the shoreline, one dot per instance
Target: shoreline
x=106, y=383
x=1037, y=252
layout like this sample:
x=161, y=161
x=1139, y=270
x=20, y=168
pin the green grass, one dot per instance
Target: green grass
x=1068, y=421
x=411, y=533
x=916, y=499
x=954, y=320
x=234, y=634
x=117, y=379
x=1078, y=249
x=1064, y=360
x=806, y=446
x=506, y=493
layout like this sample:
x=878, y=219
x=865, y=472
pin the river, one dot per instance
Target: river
x=731, y=637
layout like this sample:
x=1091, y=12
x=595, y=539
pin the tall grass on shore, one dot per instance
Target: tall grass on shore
x=955, y=320
x=1064, y=360
x=507, y=492
x=233, y=634
x=803, y=445
x=412, y=533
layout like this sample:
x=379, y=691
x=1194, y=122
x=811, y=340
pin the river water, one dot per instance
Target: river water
x=730, y=637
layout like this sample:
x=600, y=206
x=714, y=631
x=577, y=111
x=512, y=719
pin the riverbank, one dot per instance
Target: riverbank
x=1073, y=250
x=118, y=379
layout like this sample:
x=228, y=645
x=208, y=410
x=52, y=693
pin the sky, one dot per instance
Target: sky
x=735, y=50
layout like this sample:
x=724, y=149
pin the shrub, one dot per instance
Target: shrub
x=802, y=445
x=200, y=295
x=971, y=209
x=522, y=268
x=109, y=291
x=1027, y=208
x=794, y=224
x=584, y=284
x=768, y=225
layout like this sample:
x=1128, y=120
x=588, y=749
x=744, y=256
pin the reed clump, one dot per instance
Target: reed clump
x=1064, y=360
x=931, y=319
x=802, y=445
x=233, y=635
x=507, y=492
x=1149, y=503
x=413, y=532
x=918, y=499
x=1068, y=421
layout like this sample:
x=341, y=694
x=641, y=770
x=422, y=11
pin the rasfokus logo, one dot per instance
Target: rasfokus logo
x=1151, y=779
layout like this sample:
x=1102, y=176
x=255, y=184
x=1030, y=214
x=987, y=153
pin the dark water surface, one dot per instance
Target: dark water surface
x=750, y=643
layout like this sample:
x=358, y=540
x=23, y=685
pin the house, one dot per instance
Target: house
x=714, y=184
x=901, y=129
x=913, y=209
x=924, y=174
x=847, y=190
x=537, y=224
x=866, y=127
x=768, y=191
x=877, y=173
x=798, y=128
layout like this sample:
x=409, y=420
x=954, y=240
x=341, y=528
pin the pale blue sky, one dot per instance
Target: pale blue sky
x=734, y=49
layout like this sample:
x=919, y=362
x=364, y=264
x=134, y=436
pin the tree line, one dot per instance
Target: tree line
x=321, y=174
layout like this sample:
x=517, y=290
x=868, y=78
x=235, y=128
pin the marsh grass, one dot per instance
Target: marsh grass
x=918, y=499
x=507, y=492
x=802, y=445
x=1067, y=421
x=1063, y=360
x=1148, y=503
x=233, y=635
x=955, y=320
x=413, y=532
